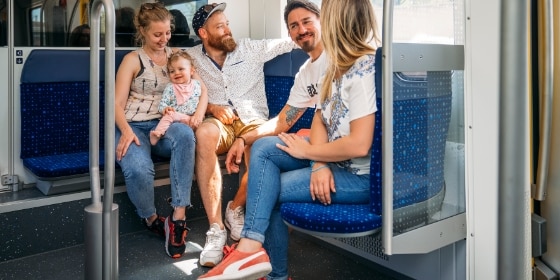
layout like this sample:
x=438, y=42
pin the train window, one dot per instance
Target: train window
x=183, y=12
x=65, y=23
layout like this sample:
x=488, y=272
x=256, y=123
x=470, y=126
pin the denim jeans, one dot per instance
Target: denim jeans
x=276, y=177
x=178, y=144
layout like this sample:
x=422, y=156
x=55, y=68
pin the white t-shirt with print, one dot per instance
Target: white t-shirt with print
x=305, y=91
x=353, y=97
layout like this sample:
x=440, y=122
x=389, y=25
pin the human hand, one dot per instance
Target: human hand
x=235, y=156
x=195, y=121
x=224, y=114
x=168, y=110
x=127, y=137
x=294, y=145
x=322, y=183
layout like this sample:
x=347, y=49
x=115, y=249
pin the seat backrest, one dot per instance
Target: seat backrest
x=421, y=115
x=279, y=79
x=55, y=104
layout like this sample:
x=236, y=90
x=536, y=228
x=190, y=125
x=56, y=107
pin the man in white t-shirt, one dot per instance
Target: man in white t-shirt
x=302, y=21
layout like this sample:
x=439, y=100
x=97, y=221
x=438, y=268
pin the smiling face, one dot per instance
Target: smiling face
x=305, y=29
x=180, y=71
x=157, y=34
x=217, y=33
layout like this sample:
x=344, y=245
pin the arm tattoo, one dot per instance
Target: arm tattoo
x=293, y=114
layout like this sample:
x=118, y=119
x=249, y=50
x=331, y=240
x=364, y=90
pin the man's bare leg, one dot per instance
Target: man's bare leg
x=210, y=183
x=208, y=172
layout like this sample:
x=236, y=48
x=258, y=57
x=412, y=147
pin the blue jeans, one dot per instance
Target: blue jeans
x=178, y=144
x=276, y=177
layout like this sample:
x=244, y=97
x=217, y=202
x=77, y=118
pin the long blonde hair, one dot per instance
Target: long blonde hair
x=349, y=31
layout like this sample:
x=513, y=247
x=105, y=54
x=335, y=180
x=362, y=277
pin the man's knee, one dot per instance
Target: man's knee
x=207, y=135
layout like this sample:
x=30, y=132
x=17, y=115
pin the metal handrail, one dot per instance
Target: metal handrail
x=109, y=172
x=387, y=126
x=546, y=85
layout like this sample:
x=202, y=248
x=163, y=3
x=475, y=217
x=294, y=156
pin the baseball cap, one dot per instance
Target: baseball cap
x=203, y=13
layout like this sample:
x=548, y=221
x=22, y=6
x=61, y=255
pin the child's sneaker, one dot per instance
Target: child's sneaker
x=175, y=234
x=240, y=265
x=157, y=226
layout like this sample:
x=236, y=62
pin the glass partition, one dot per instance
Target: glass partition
x=55, y=23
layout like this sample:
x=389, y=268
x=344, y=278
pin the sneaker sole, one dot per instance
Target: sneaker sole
x=212, y=262
x=226, y=223
x=251, y=273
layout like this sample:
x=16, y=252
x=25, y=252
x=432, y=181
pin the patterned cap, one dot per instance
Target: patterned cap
x=204, y=13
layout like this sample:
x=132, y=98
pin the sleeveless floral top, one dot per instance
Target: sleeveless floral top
x=146, y=89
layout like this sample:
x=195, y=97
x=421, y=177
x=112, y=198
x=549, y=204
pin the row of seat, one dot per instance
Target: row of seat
x=55, y=138
x=55, y=113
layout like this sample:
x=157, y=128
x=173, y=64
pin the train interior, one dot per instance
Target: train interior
x=435, y=216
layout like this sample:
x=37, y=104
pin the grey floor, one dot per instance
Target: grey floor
x=142, y=256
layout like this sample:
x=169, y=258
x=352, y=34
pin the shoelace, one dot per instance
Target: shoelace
x=212, y=236
x=227, y=250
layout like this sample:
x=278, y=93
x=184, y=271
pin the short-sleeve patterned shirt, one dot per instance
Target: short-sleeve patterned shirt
x=240, y=81
x=353, y=97
x=169, y=99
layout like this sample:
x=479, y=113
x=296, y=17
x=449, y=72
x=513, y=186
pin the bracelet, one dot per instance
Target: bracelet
x=243, y=139
x=319, y=168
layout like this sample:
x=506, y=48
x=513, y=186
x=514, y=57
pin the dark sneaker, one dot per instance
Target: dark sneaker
x=175, y=234
x=158, y=226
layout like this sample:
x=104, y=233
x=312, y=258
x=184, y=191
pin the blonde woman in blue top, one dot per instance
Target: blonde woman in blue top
x=333, y=166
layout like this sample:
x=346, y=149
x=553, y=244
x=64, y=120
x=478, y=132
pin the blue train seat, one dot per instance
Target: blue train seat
x=422, y=111
x=54, y=95
x=279, y=76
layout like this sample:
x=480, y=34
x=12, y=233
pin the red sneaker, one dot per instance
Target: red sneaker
x=240, y=265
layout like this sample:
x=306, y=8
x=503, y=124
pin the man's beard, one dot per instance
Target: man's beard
x=226, y=44
x=308, y=46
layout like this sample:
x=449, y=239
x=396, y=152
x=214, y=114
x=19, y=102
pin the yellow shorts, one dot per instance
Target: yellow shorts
x=228, y=132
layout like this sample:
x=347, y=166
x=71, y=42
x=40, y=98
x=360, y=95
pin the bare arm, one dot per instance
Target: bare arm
x=287, y=117
x=128, y=68
x=355, y=144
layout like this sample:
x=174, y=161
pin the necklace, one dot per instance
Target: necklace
x=157, y=58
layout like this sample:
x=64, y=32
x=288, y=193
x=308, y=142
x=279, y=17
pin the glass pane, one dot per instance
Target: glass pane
x=435, y=111
x=55, y=23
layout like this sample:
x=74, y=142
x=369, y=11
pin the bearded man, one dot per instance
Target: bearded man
x=233, y=74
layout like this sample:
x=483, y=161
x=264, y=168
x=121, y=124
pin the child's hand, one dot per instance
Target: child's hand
x=167, y=110
x=196, y=120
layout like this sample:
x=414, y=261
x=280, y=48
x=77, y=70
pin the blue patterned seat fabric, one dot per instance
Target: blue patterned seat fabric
x=421, y=120
x=55, y=108
x=54, y=94
x=279, y=79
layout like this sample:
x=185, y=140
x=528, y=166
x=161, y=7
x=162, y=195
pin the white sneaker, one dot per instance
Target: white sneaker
x=234, y=221
x=213, y=253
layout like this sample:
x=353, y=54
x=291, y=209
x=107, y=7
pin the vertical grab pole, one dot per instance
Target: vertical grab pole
x=387, y=127
x=513, y=144
x=101, y=220
x=546, y=85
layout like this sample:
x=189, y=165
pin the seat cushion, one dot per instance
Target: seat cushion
x=331, y=220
